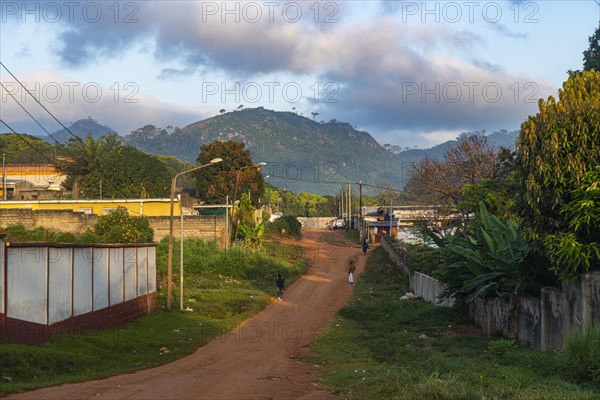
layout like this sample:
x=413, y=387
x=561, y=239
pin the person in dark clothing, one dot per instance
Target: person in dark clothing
x=365, y=246
x=279, y=282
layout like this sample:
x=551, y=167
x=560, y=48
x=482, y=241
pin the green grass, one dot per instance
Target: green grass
x=352, y=236
x=373, y=350
x=222, y=290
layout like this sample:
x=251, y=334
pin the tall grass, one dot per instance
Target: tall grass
x=580, y=358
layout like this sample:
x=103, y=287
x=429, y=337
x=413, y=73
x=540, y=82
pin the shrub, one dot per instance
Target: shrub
x=120, y=227
x=580, y=359
x=284, y=226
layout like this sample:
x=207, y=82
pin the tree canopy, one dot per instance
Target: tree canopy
x=591, y=57
x=218, y=181
x=127, y=172
x=556, y=147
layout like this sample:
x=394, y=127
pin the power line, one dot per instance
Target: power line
x=41, y=105
x=29, y=144
x=28, y=113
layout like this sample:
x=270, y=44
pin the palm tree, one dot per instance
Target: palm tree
x=83, y=157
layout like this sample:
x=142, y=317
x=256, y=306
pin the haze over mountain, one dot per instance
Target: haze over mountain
x=80, y=128
x=301, y=154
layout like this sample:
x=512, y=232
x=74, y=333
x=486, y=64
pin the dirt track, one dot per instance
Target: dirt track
x=259, y=359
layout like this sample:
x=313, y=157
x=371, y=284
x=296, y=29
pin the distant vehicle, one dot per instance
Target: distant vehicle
x=338, y=223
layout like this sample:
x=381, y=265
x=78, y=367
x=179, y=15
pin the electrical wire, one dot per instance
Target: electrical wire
x=28, y=113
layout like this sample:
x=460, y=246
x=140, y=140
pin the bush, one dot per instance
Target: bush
x=120, y=227
x=580, y=359
x=18, y=233
x=284, y=226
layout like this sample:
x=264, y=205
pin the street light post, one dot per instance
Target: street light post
x=170, y=258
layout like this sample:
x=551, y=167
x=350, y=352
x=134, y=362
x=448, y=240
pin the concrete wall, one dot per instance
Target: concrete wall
x=47, y=288
x=421, y=285
x=316, y=222
x=545, y=323
x=208, y=228
x=59, y=220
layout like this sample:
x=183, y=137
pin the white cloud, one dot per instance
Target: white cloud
x=124, y=110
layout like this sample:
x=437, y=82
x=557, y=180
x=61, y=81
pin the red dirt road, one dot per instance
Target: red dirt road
x=257, y=360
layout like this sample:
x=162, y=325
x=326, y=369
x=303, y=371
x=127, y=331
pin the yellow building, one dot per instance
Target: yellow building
x=145, y=207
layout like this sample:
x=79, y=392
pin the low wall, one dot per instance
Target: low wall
x=50, y=288
x=208, y=228
x=545, y=323
x=316, y=222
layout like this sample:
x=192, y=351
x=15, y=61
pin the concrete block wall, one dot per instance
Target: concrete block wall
x=59, y=220
x=208, y=228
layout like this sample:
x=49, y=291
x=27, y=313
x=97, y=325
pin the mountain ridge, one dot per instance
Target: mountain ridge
x=301, y=154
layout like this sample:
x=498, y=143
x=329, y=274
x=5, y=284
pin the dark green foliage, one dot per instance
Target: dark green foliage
x=556, y=148
x=422, y=258
x=127, y=172
x=580, y=360
x=284, y=226
x=490, y=264
x=577, y=250
x=557, y=151
x=26, y=149
x=120, y=227
x=591, y=57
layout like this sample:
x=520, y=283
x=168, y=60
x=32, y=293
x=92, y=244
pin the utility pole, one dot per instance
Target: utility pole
x=349, y=208
x=342, y=200
x=227, y=223
x=360, y=215
x=4, y=194
x=391, y=214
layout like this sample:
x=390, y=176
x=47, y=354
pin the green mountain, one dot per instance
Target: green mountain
x=301, y=154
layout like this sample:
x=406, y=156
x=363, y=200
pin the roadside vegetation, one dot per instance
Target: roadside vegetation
x=116, y=227
x=221, y=290
x=379, y=347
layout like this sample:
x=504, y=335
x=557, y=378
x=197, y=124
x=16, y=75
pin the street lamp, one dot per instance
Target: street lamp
x=237, y=178
x=170, y=259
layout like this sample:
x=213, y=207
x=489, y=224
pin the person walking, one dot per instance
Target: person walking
x=280, y=283
x=365, y=246
x=351, y=270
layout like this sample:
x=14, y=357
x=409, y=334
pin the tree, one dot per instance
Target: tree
x=291, y=204
x=217, y=182
x=83, y=158
x=469, y=162
x=591, y=57
x=127, y=172
x=555, y=148
x=577, y=250
x=490, y=263
x=25, y=149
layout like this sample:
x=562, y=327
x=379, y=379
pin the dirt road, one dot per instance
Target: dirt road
x=259, y=359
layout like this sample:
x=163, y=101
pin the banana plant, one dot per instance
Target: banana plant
x=487, y=264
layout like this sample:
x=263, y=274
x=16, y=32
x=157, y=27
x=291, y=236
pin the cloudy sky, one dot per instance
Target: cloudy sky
x=410, y=73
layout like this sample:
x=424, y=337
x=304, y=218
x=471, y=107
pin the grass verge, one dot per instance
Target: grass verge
x=379, y=347
x=221, y=290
